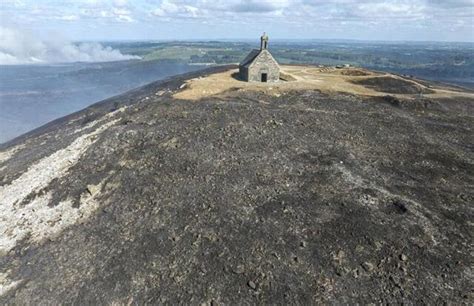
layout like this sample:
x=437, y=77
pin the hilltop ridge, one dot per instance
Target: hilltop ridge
x=335, y=185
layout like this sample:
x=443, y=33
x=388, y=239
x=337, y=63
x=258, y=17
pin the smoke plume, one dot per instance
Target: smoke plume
x=19, y=47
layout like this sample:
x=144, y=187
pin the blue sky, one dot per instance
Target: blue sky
x=437, y=20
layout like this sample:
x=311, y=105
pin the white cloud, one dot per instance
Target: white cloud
x=390, y=10
x=69, y=17
x=121, y=3
x=346, y=16
x=15, y=3
x=181, y=10
x=221, y=9
x=122, y=14
x=17, y=47
x=125, y=18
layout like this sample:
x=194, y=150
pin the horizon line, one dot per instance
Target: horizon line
x=273, y=39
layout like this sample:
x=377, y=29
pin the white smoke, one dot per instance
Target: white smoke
x=19, y=47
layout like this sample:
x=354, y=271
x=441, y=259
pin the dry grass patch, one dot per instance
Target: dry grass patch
x=355, y=81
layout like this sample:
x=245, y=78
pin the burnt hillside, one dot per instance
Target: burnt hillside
x=242, y=197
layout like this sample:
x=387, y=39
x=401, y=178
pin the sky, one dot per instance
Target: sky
x=99, y=20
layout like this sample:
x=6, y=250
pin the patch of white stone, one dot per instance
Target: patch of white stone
x=6, y=155
x=7, y=284
x=35, y=220
x=96, y=122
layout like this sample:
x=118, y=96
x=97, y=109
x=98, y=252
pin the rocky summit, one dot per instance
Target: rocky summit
x=332, y=186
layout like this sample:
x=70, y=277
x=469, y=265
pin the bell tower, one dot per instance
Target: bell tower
x=264, y=41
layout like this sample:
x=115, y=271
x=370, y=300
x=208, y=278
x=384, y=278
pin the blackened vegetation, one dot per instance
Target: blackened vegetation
x=399, y=207
x=247, y=198
x=420, y=103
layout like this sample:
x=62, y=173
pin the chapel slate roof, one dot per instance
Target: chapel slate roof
x=250, y=57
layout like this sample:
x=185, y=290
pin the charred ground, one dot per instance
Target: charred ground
x=244, y=196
